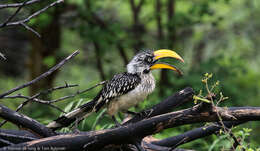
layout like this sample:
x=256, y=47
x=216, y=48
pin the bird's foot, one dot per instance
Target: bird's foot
x=132, y=113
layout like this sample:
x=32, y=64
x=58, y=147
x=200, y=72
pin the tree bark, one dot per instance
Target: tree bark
x=129, y=133
x=25, y=122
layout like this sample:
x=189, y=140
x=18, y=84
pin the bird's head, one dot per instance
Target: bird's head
x=145, y=61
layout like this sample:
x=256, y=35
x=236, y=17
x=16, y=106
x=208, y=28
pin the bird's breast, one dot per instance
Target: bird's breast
x=133, y=97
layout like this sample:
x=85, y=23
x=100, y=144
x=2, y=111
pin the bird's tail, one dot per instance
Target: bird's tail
x=79, y=113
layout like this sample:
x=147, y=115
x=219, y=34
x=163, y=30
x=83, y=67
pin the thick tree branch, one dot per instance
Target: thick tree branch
x=197, y=133
x=126, y=134
x=165, y=106
x=16, y=136
x=25, y=122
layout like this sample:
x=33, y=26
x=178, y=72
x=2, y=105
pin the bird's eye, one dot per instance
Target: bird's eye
x=149, y=59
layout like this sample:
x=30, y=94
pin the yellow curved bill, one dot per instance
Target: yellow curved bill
x=163, y=53
x=165, y=66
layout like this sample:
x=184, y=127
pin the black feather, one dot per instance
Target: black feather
x=120, y=84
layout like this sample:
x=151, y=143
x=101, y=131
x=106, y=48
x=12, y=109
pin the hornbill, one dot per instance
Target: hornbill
x=126, y=89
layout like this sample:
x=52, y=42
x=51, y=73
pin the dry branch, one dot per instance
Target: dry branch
x=24, y=21
x=146, y=123
x=33, y=15
x=165, y=106
x=41, y=76
x=25, y=122
x=126, y=134
x=18, y=4
x=13, y=15
x=50, y=71
x=35, y=99
x=16, y=136
x=197, y=133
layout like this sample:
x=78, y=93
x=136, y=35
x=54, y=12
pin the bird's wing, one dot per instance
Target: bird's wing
x=120, y=84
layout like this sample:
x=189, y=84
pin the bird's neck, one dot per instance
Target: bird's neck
x=147, y=82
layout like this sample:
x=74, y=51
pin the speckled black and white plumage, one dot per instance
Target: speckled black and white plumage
x=123, y=91
x=119, y=85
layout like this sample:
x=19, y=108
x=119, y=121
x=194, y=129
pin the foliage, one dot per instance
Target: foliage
x=214, y=36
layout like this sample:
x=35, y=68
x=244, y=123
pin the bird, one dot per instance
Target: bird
x=126, y=89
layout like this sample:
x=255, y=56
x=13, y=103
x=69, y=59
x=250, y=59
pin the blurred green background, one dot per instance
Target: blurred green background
x=215, y=36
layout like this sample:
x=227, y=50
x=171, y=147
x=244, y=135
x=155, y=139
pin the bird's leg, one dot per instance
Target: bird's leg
x=138, y=145
x=116, y=122
x=75, y=126
x=132, y=113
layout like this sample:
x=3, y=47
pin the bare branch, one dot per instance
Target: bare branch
x=37, y=79
x=34, y=100
x=126, y=134
x=18, y=4
x=2, y=56
x=34, y=14
x=195, y=134
x=12, y=16
x=23, y=21
x=16, y=136
x=72, y=95
x=24, y=121
x=41, y=76
x=56, y=88
x=165, y=106
x=31, y=29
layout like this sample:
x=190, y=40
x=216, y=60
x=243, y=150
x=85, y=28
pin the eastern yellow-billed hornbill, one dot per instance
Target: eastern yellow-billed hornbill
x=126, y=89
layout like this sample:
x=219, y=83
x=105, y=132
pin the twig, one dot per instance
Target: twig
x=31, y=29
x=12, y=16
x=236, y=142
x=35, y=80
x=2, y=56
x=34, y=14
x=18, y=4
x=23, y=21
x=64, y=121
x=34, y=100
x=100, y=83
x=34, y=97
x=41, y=76
x=77, y=93
x=56, y=88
